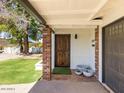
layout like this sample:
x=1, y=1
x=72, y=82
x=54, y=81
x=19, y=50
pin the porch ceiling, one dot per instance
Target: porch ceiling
x=69, y=13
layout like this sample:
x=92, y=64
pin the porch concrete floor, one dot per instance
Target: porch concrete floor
x=66, y=86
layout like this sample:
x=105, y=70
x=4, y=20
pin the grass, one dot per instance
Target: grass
x=62, y=70
x=16, y=71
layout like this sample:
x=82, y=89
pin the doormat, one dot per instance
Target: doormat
x=62, y=70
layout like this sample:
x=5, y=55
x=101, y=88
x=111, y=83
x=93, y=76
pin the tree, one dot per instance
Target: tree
x=26, y=24
x=17, y=33
x=33, y=28
x=22, y=19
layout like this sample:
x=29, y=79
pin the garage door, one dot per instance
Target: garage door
x=113, y=55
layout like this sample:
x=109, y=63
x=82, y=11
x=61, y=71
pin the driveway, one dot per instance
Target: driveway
x=65, y=86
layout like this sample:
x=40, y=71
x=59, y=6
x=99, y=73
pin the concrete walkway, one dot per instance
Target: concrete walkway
x=60, y=86
x=4, y=56
x=16, y=88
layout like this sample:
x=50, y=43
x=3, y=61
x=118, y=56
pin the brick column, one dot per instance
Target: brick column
x=47, y=53
x=97, y=51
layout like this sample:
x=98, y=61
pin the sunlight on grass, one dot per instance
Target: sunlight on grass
x=16, y=71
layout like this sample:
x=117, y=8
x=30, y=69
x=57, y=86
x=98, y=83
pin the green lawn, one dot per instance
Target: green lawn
x=16, y=71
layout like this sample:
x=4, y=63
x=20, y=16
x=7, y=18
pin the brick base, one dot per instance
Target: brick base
x=47, y=54
x=97, y=51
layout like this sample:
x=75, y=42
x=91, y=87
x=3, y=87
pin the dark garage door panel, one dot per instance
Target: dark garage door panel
x=113, y=55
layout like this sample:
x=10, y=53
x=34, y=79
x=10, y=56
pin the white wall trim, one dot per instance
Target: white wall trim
x=109, y=89
x=53, y=51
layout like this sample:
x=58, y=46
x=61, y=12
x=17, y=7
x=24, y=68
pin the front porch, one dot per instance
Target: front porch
x=69, y=48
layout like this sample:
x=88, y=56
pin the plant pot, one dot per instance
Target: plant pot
x=88, y=73
x=78, y=72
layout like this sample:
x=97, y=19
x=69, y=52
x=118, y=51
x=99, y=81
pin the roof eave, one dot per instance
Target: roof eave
x=32, y=11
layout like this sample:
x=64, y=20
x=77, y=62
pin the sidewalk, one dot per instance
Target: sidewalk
x=4, y=56
x=16, y=88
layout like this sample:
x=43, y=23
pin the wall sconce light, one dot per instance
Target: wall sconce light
x=93, y=43
x=75, y=36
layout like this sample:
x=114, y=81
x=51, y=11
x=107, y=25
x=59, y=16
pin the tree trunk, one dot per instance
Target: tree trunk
x=26, y=45
x=21, y=46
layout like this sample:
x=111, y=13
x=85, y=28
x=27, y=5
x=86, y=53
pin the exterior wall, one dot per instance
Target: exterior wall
x=82, y=51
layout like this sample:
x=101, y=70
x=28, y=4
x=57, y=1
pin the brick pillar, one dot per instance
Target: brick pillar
x=47, y=53
x=97, y=51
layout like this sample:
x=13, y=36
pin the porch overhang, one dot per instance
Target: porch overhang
x=69, y=13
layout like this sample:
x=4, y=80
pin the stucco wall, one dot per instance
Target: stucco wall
x=82, y=51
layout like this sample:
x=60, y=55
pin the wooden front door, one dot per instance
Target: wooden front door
x=62, y=50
